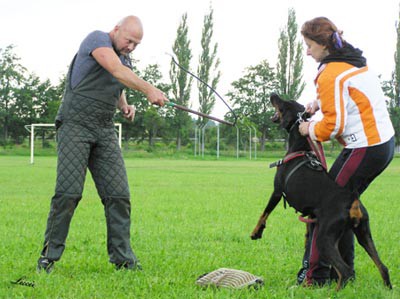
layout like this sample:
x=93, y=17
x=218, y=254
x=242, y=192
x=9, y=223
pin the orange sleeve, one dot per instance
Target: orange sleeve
x=332, y=104
x=326, y=93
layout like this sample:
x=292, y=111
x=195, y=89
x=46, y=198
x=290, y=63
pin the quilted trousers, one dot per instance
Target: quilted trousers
x=94, y=147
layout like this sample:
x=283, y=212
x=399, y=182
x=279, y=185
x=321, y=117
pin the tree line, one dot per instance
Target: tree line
x=26, y=99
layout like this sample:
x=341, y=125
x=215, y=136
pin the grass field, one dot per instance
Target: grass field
x=189, y=217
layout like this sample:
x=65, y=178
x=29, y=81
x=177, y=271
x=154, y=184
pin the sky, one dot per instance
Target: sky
x=47, y=33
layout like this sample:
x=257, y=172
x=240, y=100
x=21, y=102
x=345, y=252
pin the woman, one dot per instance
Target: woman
x=354, y=112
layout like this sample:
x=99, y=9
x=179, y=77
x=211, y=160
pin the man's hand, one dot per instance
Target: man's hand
x=156, y=96
x=128, y=111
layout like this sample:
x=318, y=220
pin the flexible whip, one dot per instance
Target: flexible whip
x=206, y=84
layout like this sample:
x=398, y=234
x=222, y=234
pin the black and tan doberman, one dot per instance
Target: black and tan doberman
x=307, y=187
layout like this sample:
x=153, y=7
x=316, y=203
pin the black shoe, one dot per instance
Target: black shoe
x=44, y=264
x=301, y=275
x=135, y=266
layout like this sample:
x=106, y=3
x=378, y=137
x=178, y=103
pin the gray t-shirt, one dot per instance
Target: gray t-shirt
x=84, y=61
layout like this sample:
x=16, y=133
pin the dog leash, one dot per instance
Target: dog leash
x=317, y=149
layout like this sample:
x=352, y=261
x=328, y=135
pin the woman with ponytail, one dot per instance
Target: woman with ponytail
x=354, y=112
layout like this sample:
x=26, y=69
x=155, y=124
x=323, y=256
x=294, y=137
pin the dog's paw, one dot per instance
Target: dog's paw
x=257, y=232
x=255, y=237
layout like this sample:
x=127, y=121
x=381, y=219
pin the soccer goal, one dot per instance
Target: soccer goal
x=31, y=130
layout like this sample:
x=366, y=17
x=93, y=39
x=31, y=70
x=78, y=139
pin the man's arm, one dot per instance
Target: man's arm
x=107, y=58
x=128, y=111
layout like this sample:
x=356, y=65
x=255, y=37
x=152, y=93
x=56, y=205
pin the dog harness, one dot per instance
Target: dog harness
x=310, y=160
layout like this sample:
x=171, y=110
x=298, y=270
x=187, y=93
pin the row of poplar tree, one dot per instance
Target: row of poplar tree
x=26, y=99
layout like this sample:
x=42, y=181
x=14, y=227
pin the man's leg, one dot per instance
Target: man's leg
x=108, y=171
x=73, y=151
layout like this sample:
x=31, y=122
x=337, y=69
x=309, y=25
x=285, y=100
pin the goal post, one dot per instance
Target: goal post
x=31, y=128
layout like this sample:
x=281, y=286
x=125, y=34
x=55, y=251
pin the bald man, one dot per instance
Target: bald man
x=97, y=77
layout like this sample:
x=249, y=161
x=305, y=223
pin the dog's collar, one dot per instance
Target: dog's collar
x=298, y=120
x=287, y=158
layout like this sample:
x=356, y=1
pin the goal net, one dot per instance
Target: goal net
x=31, y=130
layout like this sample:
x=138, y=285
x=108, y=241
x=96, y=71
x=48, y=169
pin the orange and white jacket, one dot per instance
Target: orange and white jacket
x=353, y=107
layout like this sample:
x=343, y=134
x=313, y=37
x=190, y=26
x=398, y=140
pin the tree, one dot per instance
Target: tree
x=181, y=82
x=148, y=119
x=290, y=61
x=154, y=117
x=208, y=64
x=396, y=75
x=51, y=99
x=24, y=98
x=11, y=79
x=34, y=102
x=391, y=88
x=251, y=97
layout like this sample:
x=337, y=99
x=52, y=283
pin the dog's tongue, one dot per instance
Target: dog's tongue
x=275, y=117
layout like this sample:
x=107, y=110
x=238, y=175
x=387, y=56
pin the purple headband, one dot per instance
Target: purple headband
x=338, y=40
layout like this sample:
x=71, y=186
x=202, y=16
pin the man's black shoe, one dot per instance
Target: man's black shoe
x=129, y=266
x=44, y=264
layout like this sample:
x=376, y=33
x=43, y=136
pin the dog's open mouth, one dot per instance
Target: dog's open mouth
x=276, y=117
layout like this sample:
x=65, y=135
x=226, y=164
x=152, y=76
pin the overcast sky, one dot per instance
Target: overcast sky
x=47, y=33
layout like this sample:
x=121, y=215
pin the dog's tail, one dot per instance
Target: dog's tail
x=355, y=212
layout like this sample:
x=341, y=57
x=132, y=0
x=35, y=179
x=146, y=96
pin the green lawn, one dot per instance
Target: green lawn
x=189, y=217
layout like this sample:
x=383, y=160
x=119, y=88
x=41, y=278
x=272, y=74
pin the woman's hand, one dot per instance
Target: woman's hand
x=303, y=128
x=312, y=107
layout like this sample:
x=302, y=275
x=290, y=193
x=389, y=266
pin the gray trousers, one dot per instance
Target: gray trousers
x=94, y=147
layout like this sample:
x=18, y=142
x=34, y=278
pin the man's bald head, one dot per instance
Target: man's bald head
x=127, y=34
x=130, y=21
